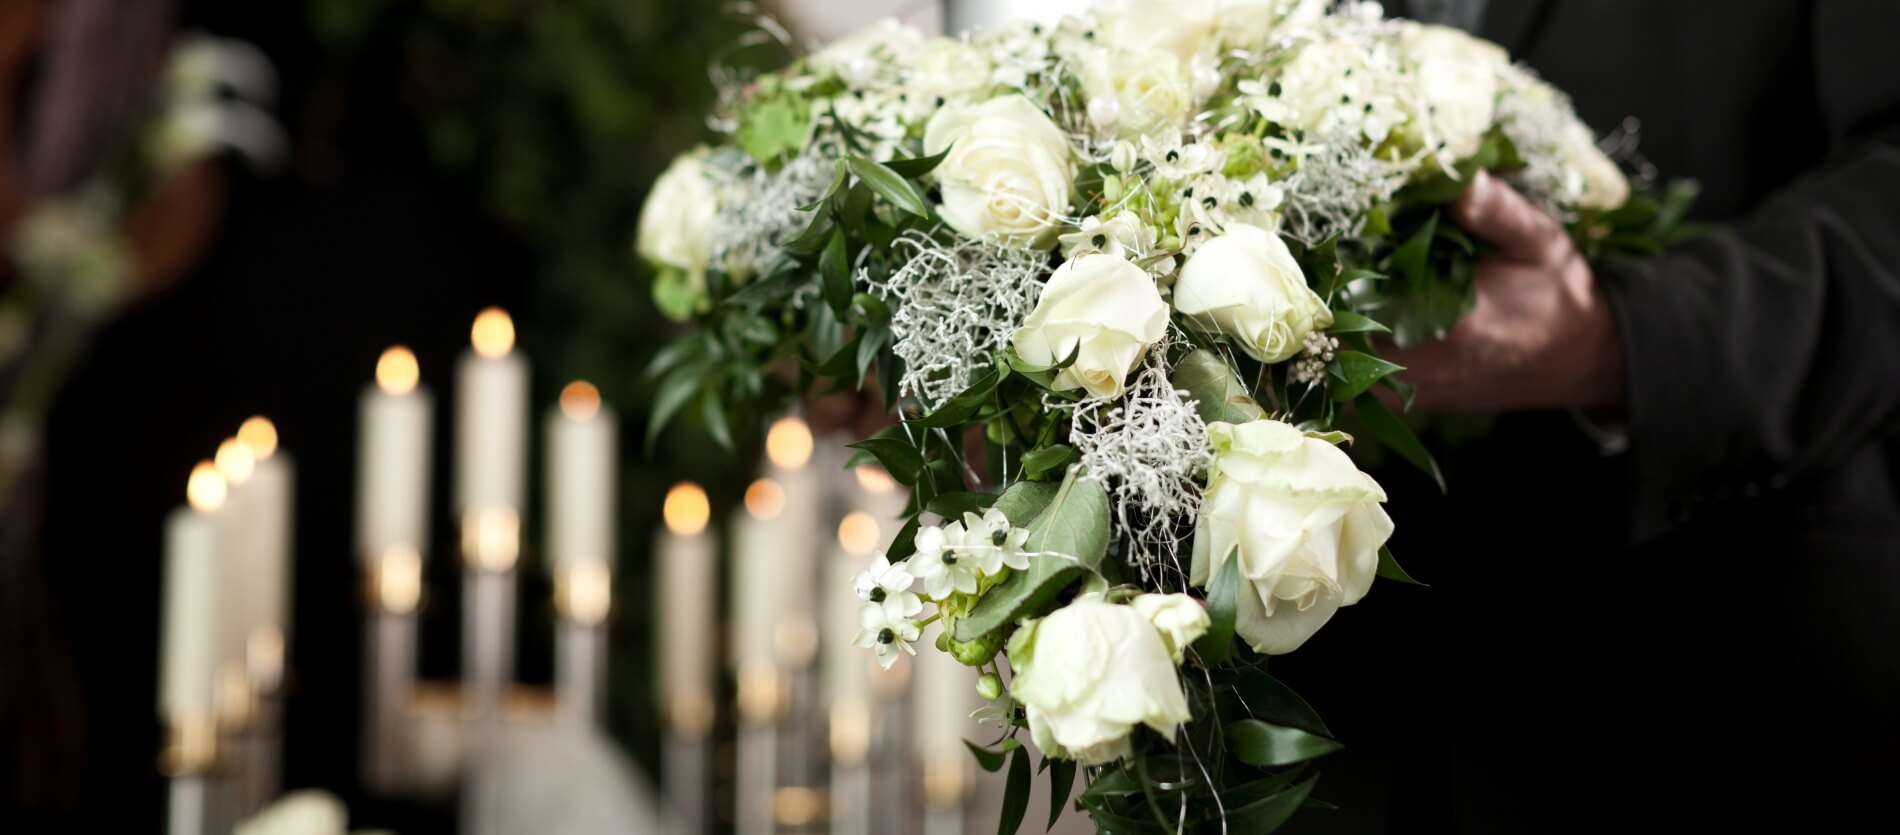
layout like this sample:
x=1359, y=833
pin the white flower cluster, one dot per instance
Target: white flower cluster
x=956, y=563
x=1102, y=182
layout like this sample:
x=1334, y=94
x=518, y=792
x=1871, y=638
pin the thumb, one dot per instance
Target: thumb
x=1498, y=215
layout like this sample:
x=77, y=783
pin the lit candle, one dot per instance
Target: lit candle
x=688, y=569
x=581, y=458
x=797, y=537
x=491, y=423
x=267, y=504
x=189, y=656
x=235, y=464
x=393, y=494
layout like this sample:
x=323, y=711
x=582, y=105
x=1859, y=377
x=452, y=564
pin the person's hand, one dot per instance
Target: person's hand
x=1541, y=334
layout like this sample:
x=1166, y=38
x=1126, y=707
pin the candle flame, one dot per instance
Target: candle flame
x=580, y=400
x=493, y=334
x=875, y=480
x=234, y=462
x=205, y=490
x=396, y=371
x=858, y=533
x=686, y=509
x=788, y=443
x=765, y=499
x=399, y=580
x=260, y=435
x=584, y=591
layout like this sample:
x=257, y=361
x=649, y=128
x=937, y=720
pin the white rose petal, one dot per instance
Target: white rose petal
x=676, y=221
x=1245, y=285
x=1104, y=310
x=1180, y=619
x=1304, y=522
x=1008, y=173
x=1088, y=674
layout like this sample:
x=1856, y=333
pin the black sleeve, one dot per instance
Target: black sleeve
x=1772, y=350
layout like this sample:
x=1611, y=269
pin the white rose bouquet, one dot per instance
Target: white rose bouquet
x=1137, y=258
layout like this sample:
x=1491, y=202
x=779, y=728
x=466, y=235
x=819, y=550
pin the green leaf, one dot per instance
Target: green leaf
x=772, y=128
x=1061, y=784
x=1390, y=569
x=1015, y=794
x=712, y=412
x=1216, y=389
x=957, y=410
x=918, y=167
x=1265, y=744
x=672, y=356
x=889, y=185
x=673, y=394
x=1409, y=261
x=1221, y=603
x=899, y=457
x=951, y=506
x=1046, y=459
x=859, y=459
x=1024, y=500
x=1117, y=781
x=1388, y=428
x=990, y=760
x=1346, y=321
x=812, y=240
x=1356, y=372
x=871, y=341
x=835, y=268
x=1076, y=524
x=904, y=543
x=1269, y=699
x=676, y=295
x=1272, y=812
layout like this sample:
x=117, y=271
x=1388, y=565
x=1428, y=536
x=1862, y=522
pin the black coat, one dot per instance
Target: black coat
x=1710, y=622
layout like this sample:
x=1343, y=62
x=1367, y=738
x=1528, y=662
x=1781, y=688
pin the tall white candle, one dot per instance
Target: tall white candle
x=687, y=594
x=491, y=423
x=392, y=495
x=799, y=535
x=235, y=465
x=190, y=630
x=268, y=504
x=946, y=696
x=581, y=461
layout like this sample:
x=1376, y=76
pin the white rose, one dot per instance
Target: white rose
x=307, y=812
x=1457, y=82
x=1008, y=173
x=859, y=58
x=1088, y=674
x=1104, y=310
x=1180, y=619
x=676, y=221
x=1245, y=285
x=1306, y=522
x=1603, y=184
x=1147, y=89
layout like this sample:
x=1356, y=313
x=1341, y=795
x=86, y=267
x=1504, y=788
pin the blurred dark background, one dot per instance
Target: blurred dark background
x=445, y=156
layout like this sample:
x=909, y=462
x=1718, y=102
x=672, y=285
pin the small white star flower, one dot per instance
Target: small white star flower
x=994, y=543
x=940, y=562
x=888, y=584
x=884, y=636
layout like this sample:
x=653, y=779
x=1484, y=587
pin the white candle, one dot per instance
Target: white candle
x=688, y=569
x=393, y=465
x=190, y=631
x=758, y=550
x=798, y=536
x=581, y=461
x=268, y=504
x=235, y=465
x=491, y=423
x=946, y=696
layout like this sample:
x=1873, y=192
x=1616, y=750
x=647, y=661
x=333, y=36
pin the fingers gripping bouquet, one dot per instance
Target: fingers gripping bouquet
x=1137, y=259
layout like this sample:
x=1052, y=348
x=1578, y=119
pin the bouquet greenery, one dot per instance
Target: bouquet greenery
x=1119, y=280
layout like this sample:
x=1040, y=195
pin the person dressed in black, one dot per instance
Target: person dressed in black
x=1667, y=581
